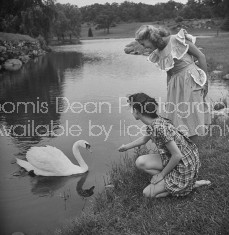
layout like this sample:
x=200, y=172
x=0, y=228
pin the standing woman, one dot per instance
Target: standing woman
x=187, y=84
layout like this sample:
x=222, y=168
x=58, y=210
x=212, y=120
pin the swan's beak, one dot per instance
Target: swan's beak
x=88, y=147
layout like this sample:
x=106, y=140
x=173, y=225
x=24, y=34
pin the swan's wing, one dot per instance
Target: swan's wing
x=24, y=164
x=48, y=159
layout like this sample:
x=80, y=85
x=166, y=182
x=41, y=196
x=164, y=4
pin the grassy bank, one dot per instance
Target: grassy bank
x=15, y=37
x=216, y=50
x=123, y=210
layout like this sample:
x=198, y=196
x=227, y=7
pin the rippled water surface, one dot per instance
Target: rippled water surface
x=76, y=92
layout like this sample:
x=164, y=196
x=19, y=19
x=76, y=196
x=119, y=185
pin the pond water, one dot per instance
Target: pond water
x=76, y=92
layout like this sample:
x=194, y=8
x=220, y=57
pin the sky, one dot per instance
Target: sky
x=81, y=3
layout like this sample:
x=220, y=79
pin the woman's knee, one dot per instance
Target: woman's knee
x=140, y=162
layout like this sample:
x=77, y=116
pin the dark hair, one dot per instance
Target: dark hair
x=144, y=104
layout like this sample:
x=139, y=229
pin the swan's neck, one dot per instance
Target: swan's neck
x=79, y=158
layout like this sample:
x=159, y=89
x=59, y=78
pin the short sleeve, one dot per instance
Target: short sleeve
x=166, y=133
x=175, y=49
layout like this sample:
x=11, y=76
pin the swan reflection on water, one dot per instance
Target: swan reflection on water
x=46, y=186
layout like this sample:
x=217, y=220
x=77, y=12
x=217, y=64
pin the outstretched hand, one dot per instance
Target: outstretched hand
x=122, y=148
x=156, y=178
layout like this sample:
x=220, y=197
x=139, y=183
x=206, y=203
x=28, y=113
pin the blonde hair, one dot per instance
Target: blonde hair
x=153, y=34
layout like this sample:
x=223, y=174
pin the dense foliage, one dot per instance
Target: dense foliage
x=108, y=14
x=39, y=17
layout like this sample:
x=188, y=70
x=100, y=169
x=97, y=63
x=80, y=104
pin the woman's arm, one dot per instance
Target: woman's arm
x=194, y=51
x=174, y=160
x=142, y=140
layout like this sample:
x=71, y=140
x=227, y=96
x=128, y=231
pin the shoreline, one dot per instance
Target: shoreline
x=17, y=50
x=121, y=207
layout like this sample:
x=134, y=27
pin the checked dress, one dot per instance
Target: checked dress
x=180, y=181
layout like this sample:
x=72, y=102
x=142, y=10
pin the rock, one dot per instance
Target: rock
x=217, y=72
x=226, y=76
x=35, y=52
x=24, y=58
x=2, y=49
x=12, y=64
x=219, y=67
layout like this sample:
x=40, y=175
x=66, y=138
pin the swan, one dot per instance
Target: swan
x=50, y=161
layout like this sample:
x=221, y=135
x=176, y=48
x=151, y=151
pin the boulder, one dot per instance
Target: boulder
x=219, y=67
x=226, y=76
x=2, y=49
x=24, y=58
x=12, y=64
x=217, y=72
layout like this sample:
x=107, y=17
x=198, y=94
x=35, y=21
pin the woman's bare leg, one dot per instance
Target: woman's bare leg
x=156, y=190
x=150, y=163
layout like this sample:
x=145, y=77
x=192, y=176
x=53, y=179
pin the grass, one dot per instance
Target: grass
x=123, y=209
x=216, y=50
x=15, y=37
x=127, y=30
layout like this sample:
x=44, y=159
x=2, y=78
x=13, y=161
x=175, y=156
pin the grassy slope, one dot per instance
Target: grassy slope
x=216, y=50
x=127, y=30
x=15, y=37
x=123, y=210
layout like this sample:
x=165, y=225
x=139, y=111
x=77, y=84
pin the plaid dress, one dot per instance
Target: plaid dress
x=180, y=181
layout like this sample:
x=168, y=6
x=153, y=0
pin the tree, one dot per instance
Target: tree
x=105, y=19
x=67, y=21
x=225, y=25
x=31, y=17
x=90, y=34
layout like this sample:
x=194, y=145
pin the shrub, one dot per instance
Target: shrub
x=179, y=19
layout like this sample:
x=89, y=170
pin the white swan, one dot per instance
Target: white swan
x=50, y=161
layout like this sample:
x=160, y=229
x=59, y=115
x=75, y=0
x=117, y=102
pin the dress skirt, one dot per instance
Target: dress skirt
x=186, y=107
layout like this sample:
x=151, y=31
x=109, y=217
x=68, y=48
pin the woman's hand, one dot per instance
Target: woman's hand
x=123, y=148
x=156, y=178
x=204, y=90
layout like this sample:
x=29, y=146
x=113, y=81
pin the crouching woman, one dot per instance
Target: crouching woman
x=175, y=168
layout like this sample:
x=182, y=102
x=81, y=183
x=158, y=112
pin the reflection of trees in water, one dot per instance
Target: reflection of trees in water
x=43, y=186
x=29, y=96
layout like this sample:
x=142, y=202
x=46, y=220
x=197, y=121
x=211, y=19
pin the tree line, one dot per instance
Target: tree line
x=108, y=14
x=48, y=18
x=40, y=17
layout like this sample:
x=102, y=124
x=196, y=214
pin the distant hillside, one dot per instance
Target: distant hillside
x=127, y=30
